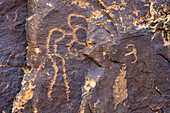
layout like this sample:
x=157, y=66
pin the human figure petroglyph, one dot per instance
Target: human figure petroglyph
x=58, y=37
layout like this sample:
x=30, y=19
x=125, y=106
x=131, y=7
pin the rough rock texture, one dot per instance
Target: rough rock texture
x=12, y=50
x=94, y=56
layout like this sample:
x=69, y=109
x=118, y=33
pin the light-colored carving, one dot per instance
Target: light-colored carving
x=135, y=10
x=7, y=85
x=74, y=28
x=120, y=87
x=95, y=104
x=77, y=26
x=54, y=63
x=134, y=51
x=16, y=15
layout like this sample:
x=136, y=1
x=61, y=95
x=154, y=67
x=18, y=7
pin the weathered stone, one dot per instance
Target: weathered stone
x=12, y=50
x=101, y=56
x=12, y=32
x=10, y=84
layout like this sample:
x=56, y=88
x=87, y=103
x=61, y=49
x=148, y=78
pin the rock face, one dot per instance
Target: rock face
x=12, y=50
x=85, y=56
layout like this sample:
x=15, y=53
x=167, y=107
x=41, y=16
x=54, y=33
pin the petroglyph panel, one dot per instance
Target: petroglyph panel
x=101, y=56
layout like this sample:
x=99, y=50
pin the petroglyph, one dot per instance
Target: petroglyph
x=134, y=51
x=54, y=63
x=95, y=104
x=58, y=34
x=120, y=86
x=52, y=49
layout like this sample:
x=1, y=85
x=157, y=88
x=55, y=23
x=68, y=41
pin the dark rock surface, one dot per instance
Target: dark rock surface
x=12, y=32
x=10, y=82
x=12, y=50
x=94, y=56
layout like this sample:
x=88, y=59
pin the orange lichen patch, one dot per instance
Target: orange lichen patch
x=90, y=83
x=120, y=87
